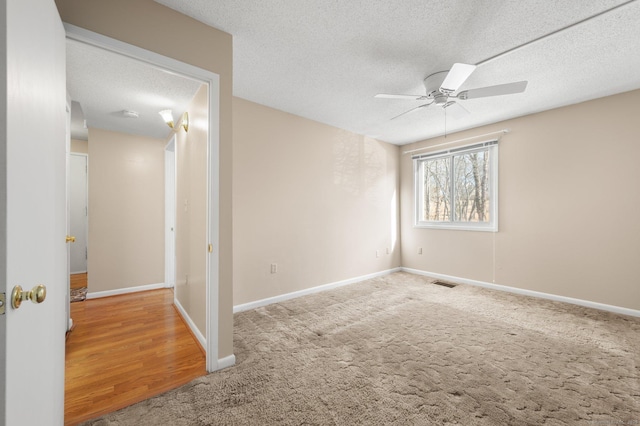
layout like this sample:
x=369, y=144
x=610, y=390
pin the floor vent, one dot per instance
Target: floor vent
x=444, y=284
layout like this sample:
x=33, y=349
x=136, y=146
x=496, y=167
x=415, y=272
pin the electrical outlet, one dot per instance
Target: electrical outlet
x=377, y=253
x=186, y=279
x=274, y=268
x=388, y=250
x=419, y=250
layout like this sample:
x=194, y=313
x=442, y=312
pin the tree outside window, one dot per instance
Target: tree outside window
x=458, y=188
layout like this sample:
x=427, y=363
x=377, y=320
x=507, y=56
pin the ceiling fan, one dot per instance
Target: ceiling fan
x=440, y=87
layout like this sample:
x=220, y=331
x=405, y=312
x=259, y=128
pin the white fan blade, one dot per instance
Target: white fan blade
x=500, y=89
x=454, y=79
x=455, y=110
x=412, y=110
x=413, y=97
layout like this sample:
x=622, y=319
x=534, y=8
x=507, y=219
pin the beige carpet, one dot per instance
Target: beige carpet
x=399, y=350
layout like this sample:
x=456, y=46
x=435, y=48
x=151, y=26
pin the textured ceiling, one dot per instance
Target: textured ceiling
x=104, y=84
x=326, y=59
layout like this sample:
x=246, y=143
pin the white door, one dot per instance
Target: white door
x=32, y=212
x=78, y=210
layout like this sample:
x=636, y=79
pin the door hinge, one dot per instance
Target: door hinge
x=2, y=303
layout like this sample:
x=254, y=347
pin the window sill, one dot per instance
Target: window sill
x=456, y=227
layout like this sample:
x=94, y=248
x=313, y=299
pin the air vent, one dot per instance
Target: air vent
x=444, y=284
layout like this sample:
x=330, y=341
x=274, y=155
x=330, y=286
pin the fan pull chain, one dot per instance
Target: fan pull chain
x=445, y=123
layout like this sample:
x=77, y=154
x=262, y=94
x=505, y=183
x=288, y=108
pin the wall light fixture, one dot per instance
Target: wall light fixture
x=167, y=116
x=185, y=121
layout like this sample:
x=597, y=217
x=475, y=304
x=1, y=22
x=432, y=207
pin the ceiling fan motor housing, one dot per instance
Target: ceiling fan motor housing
x=432, y=85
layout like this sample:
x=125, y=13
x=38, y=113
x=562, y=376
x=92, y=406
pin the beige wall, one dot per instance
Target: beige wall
x=79, y=146
x=568, y=207
x=126, y=211
x=149, y=25
x=316, y=200
x=191, y=218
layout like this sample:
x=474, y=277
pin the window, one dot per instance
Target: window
x=458, y=189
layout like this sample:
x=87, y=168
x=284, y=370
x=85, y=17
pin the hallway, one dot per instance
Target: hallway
x=124, y=349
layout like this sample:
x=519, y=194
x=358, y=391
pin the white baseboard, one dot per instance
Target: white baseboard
x=107, y=293
x=78, y=272
x=227, y=361
x=538, y=294
x=192, y=326
x=317, y=289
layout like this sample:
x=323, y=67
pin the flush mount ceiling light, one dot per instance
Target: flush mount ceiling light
x=167, y=116
x=129, y=114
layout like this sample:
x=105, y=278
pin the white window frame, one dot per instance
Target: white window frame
x=492, y=224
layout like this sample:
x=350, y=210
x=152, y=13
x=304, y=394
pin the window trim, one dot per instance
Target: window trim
x=492, y=225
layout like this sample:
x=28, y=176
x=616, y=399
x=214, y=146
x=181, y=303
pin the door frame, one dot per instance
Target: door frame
x=170, y=212
x=67, y=194
x=212, y=80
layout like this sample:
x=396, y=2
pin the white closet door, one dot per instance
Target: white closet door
x=79, y=212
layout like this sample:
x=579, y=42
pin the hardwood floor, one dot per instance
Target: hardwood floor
x=125, y=349
x=78, y=280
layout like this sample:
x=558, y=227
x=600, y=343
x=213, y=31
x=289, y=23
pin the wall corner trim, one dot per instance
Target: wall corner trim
x=192, y=326
x=525, y=292
x=126, y=290
x=226, y=362
x=317, y=289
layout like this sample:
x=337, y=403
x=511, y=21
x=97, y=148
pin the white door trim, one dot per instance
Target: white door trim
x=67, y=200
x=213, y=149
x=170, y=212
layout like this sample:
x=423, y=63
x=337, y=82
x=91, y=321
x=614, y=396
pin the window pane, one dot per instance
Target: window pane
x=471, y=175
x=437, y=190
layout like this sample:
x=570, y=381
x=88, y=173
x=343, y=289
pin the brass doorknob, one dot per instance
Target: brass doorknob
x=36, y=295
x=70, y=239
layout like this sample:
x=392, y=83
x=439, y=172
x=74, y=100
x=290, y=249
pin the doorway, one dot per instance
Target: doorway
x=209, y=178
x=78, y=224
x=78, y=175
x=211, y=171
